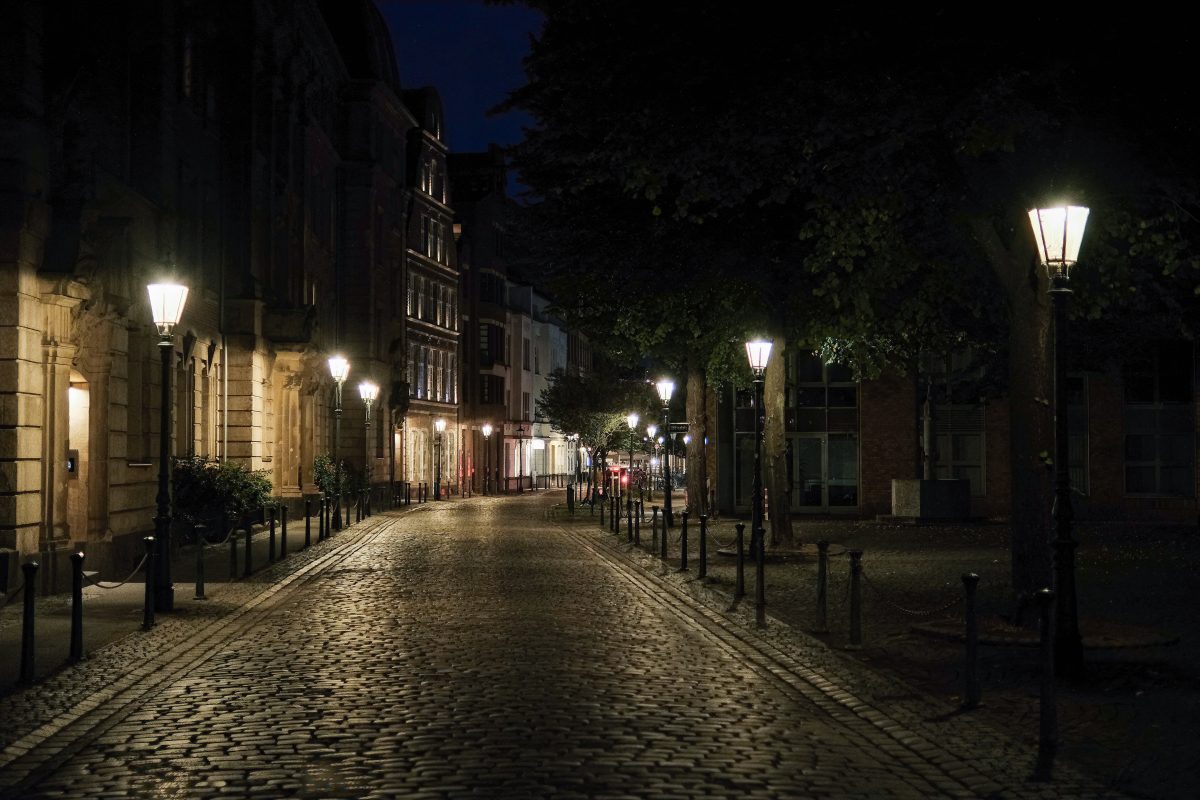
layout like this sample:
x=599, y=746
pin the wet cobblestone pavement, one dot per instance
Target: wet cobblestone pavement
x=482, y=649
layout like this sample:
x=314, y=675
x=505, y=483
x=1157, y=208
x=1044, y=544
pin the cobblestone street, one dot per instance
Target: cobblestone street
x=480, y=648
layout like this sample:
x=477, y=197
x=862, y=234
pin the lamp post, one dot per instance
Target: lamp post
x=339, y=370
x=665, y=389
x=1059, y=234
x=758, y=352
x=650, y=431
x=368, y=391
x=166, y=307
x=631, y=420
x=487, y=454
x=439, y=426
x=520, y=458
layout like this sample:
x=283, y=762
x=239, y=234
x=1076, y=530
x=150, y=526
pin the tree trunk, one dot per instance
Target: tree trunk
x=697, y=463
x=775, y=473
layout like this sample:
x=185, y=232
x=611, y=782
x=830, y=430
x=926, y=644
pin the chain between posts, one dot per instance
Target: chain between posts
x=911, y=612
x=100, y=585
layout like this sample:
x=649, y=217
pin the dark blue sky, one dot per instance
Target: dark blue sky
x=472, y=53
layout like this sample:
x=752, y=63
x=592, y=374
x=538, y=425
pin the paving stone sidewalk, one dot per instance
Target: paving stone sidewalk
x=485, y=648
x=1130, y=723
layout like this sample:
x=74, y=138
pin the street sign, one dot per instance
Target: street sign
x=679, y=427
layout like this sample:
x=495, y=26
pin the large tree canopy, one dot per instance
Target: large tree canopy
x=858, y=183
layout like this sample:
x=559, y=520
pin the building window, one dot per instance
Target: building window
x=525, y=405
x=525, y=354
x=536, y=361
x=491, y=389
x=1160, y=430
x=959, y=447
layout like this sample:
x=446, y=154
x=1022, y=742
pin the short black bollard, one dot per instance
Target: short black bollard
x=760, y=582
x=29, y=570
x=661, y=532
x=629, y=523
x=822, y=587
x=346, y=501
x=198, y=531
x=148, y=576
x=307, y=523
x=739, y=585
x=249, y=566
x=971, y=667
x=571, y=500
x=855, y=600
x=233, y=555
x=637, y=525
x=1048, y=713
x=334, y=523
x=271, y=535
x=602, y=514
x=683, y=554
x=283, y=531
x=358, y=507
x=76, y=654
x=322, y=522
x=703, y=571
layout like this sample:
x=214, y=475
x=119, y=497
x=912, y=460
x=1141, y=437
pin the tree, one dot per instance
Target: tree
x=856, y=186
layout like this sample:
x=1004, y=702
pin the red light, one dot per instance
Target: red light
x=624, y=479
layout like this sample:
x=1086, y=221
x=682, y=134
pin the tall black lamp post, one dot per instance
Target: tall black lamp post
x=339, y=370
x=166, y=306
x=665, y=389
x=520, y=458
x=487, y=454
x=758, y=352
x=631, y=420
x=650, y=431
x=1059, y=234
x=439, y=427
x=368, y=391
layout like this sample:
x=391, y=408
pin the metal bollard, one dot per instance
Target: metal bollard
x=335, y=515
x=739, y=586
x=346, y=502
x=760, y=583
x=233, y=555
x=249, y=550
x=661, y=532
x=683, y=543
x=76, y=608
x=1048, y=713
x=571, y=500
x=358, y=507
x=29, y=568
x=971, y=667
x=855, y=600
x=637, y=525
x=307, y=523
x=283, y=515
x=629, y=522
x=148, y=604
x=271, y=535
x=822, y=587
x=602, y=514
x=199, y=531
x=703, y=571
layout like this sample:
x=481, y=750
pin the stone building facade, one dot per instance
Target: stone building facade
x=265, y=155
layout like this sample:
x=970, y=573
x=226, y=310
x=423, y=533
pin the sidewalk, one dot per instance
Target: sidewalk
x=1130, y=722
x=114, y=612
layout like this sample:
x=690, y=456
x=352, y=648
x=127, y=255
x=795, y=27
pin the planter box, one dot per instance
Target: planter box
x=933, y=499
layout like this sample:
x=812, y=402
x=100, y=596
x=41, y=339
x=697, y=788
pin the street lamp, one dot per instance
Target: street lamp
x=1059, y=234
x=487, y=454
x=758, y=352
x=520, y=458
x=650, y=431
x=166, y=307
x=339, y=370
x=439, y=425
x=665, y=389
x=631, y=420
x=368, y=391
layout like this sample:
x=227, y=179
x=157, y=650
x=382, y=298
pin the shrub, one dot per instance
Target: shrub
x=324, y=477
x=208, y=491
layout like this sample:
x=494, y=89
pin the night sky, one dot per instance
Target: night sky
x=472, y=53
